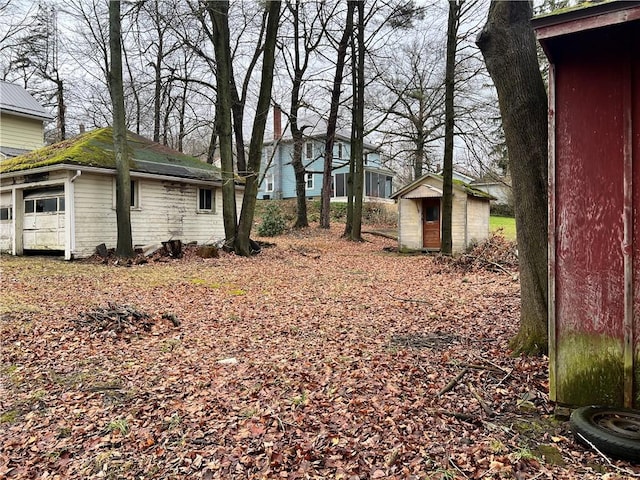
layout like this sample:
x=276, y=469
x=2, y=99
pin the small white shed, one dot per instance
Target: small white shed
x=62, y=197
x=419, y=214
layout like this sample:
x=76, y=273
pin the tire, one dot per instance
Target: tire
x=613, y=431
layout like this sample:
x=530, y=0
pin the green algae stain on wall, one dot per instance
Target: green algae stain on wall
x=589, y=370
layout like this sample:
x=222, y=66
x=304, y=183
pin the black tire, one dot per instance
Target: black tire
x=613, y=431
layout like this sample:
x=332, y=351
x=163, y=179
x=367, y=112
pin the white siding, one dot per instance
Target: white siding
x=477, y=219
x=409, y=224
x=458, y=221
x=6, y=226
x=167, y=210
x=20, y=132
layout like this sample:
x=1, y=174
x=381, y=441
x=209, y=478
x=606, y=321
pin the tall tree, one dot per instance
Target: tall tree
x=38, y=53
x=355, y=190
x=124, y=246
x=243, y=243
x=325, y=206
x=453, y=23
x=508, y=45
x=219, y=13
x=305, y=42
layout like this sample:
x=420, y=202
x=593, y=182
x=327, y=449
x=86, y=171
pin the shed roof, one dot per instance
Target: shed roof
x=420, y=187
x=16, y=100
x=585, y=16
x=95, y=149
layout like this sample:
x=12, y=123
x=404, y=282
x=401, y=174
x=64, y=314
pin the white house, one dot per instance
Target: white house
x=62, y=197
x=420, y=213
x=21, y=121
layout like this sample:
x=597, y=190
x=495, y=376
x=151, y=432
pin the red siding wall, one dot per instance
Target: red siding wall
x=596, y=82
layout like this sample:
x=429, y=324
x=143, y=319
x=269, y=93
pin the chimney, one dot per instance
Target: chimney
x=277, y=122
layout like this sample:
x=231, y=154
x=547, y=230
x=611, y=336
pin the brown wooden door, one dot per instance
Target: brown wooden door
x=431, y=223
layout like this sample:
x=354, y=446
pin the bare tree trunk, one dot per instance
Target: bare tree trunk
x=242, y=243
x=325, y=206
x=353, y=228
x=219, y=13
x=124, y=246
x=449, y=124
x=298, y=167
x=508, y=45
x=62, y=108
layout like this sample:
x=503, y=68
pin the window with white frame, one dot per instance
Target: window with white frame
x=340, y=150
x=206, y=200
x=308, y=181
x=269, y=182
x=308, y=150
x=6, y=213
x=135, y=193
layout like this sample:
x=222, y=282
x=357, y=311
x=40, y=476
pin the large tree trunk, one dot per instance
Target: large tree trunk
x=449, y=124
x=299, y=170
x=124, y=246
x=325, y=206
x=353, y=228
x=508, y=45
x=242, y=245
x=219, y=13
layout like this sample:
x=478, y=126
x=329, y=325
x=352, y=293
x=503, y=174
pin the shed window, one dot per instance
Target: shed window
x=6, y=213
x=205, y=199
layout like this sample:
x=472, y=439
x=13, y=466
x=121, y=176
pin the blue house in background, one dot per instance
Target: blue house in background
x=279, y=179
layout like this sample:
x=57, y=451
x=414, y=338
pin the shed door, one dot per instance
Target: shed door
x=431, y=223
x=44, y=220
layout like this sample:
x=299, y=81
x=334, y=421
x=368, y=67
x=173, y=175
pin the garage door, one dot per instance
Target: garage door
x=44, y=220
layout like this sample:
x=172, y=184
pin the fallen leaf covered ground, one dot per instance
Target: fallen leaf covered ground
x=318, y=358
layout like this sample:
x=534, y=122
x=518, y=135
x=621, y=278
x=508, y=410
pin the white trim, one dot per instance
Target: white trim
x=307, y=177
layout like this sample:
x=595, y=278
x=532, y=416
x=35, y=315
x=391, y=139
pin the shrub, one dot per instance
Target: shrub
x=273, y=222
x=502, y=210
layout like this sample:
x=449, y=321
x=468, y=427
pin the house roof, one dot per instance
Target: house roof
x=16, y=100
x=425, y=190
x=95, y=149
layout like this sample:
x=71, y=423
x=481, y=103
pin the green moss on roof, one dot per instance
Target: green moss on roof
x=573, y=8
x=470, y=190
x=95, y=149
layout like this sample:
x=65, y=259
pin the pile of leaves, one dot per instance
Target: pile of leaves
x=319, y=358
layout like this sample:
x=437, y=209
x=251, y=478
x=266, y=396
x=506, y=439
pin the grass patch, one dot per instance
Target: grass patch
x=507, y=224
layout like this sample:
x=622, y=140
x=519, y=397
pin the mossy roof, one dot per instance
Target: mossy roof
x=580, y=10
x=95, y=149
x=468, y=189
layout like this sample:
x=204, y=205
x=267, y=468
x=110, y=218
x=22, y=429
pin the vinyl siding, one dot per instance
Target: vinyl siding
x=20, y=132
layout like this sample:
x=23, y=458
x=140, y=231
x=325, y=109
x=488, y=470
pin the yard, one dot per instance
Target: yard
x=504, y=225
x=318, y=358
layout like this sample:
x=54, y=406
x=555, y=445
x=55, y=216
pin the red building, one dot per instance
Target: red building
x=594, y=203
